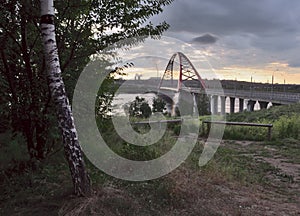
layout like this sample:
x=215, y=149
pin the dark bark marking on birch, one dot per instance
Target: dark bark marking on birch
x=73, y=151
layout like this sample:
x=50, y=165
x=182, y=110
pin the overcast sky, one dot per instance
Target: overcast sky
x=241, y=38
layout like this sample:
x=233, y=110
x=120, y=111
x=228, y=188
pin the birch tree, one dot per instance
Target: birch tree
x=84, y=28
x=72, y=149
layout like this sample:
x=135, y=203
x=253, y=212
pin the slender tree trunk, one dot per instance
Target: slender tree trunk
x=73, y=152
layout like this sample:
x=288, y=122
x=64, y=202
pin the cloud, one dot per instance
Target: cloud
x=205, y=39
x=294, y=63
x=231, y=16
x=250, y=33
x=268, y=22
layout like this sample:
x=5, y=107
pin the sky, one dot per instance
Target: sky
x=239, y=39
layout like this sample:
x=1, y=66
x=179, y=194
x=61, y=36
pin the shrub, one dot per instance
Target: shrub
x=139, y=108
x=159, y=105
x=287, y=127
x=13, y=152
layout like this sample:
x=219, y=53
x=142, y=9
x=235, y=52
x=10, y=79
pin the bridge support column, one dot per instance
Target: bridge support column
x=232, y=100
x=214, y=104
x=250, y=105
x=185, y=103
x=263, y=104
x=223, y=100
x=241, y=104
x=168, y=98
x=202, y=102
x=209, y=104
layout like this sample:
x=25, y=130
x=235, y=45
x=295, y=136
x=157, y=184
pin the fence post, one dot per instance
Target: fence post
x=208, y=128
x=269, y=133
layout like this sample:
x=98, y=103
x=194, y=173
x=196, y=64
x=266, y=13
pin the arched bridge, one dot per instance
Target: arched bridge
x=181, y=75
x=188, y=79
x=187, y=74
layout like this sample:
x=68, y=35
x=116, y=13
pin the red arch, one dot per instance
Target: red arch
x=187, y=71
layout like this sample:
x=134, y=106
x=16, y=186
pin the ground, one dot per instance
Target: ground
x=244, y=178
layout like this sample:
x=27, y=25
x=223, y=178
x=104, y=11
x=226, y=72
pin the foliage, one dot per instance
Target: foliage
x=176, y=129
x=285, y=120
x=83, y=28
x=186, y=104
x=12, y=151
x=269, y=115
x=158, y=105
x=139, y=108
x=48, y=189
x=287, y=127
x=202, y=104
x=245, y=133
x=139, y=153
x=106, y=93
x=231, y=169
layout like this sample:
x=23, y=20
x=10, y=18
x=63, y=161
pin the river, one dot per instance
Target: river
x=122, y=100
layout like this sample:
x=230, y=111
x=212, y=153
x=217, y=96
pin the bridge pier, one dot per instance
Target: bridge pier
x=209, y=104
x=241, y=104
x=202, y=103
x=232, y=100
x=214, y=104
x=169, y=99
x=263, y=104
x=185, y=103
x=223, y=102
x=250, y=105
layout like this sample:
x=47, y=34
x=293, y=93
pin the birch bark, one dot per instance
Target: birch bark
x=73, y=151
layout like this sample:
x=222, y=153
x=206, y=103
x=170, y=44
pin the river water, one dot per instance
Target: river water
x=123, y=99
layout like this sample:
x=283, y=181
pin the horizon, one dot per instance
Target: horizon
x=240, y=39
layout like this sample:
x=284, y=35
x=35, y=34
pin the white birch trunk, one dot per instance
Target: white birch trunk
x=73, y=151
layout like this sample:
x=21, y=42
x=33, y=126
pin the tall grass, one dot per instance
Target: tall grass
x=287, y=127
x=285, y=120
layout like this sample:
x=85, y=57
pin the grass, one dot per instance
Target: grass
x=230, y=165
x=35, y=189
x=269, y=115
x=288, y=148
x=285, y=120
x=49, y=188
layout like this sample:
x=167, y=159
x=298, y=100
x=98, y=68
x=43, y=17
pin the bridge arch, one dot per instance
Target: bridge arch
x=187, y=72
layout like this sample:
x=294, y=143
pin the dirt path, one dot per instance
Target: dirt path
x=194, y=192
x=286, y=168
x=283, y=164
x=284, y=194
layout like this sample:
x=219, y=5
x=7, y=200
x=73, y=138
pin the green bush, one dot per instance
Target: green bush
x=13, y=152
x=158, y=105
x=287, y=127
x=285, y=120
x=245, y=133
x=140, y=108
x=176, y=129
x=139, y=153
